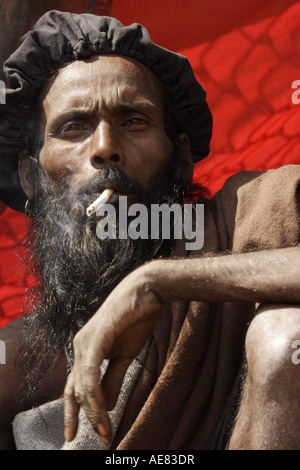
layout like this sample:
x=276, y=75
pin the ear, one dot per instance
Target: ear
x=187, y=161
x=26, y=173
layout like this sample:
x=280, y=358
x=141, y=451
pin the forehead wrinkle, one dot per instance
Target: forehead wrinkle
x=120, y=99
x=120, y=106
x=122, y=89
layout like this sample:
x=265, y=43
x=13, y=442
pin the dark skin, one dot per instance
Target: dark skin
x=11, y=380
x=133, y=137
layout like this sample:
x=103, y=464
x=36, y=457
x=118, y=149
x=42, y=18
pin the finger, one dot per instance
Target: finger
x=113, y=380
x=99, y=420
x=93, y=403
x=71, y=410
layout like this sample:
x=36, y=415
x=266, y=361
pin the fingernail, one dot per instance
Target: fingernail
x=105, y=438
x=95, y=404
x=68, y=436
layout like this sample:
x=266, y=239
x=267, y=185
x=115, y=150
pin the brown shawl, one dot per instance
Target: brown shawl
x=197, y=347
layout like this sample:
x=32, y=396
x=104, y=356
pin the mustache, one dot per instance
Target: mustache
x=50, y=195
x=109, y=178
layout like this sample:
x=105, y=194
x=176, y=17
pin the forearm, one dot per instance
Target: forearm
x=265, y=276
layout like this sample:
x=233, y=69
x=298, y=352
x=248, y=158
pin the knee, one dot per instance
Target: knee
x=272, y=341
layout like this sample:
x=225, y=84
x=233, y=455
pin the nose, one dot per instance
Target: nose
x=104, y=146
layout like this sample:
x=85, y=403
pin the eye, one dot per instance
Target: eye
x=136, y=122
x=72, y=129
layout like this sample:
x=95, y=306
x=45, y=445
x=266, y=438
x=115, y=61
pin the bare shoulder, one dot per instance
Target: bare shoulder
x=13, y=393
x=11, y=363
x=11, y=379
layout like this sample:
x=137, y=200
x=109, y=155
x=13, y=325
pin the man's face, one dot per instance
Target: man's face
x=104, y=111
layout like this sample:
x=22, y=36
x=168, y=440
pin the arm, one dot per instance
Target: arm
x=262, y=276
x=121, y=326
x=12, y=400
x=13, y=396
x=9, y=384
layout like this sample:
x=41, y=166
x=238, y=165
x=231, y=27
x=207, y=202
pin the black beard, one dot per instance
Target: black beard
x=74, y=270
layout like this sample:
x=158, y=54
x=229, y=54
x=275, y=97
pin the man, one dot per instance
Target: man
x=94, y=105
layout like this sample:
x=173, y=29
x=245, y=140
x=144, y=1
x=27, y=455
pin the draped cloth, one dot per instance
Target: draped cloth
x=197, y=347
x=42, y=428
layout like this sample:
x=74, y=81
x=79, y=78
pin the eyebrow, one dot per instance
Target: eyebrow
x=83, y=112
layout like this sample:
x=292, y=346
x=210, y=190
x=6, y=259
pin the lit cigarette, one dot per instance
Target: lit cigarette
x=100, y=201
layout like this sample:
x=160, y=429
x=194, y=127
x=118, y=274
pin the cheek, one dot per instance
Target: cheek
x=62, y=163
x=52, y=161
x=153, y=157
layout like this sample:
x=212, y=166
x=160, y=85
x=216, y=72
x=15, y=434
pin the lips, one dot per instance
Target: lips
x=108, y=196
x=117, y=192
x=99, y=202
x=114, y=197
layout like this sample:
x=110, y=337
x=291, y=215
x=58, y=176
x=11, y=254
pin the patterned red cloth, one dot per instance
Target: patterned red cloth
x=246, y=55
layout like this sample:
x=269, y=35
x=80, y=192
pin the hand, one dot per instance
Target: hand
x=117, y=331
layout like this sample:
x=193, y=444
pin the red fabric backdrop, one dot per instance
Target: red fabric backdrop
x=246, y=54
